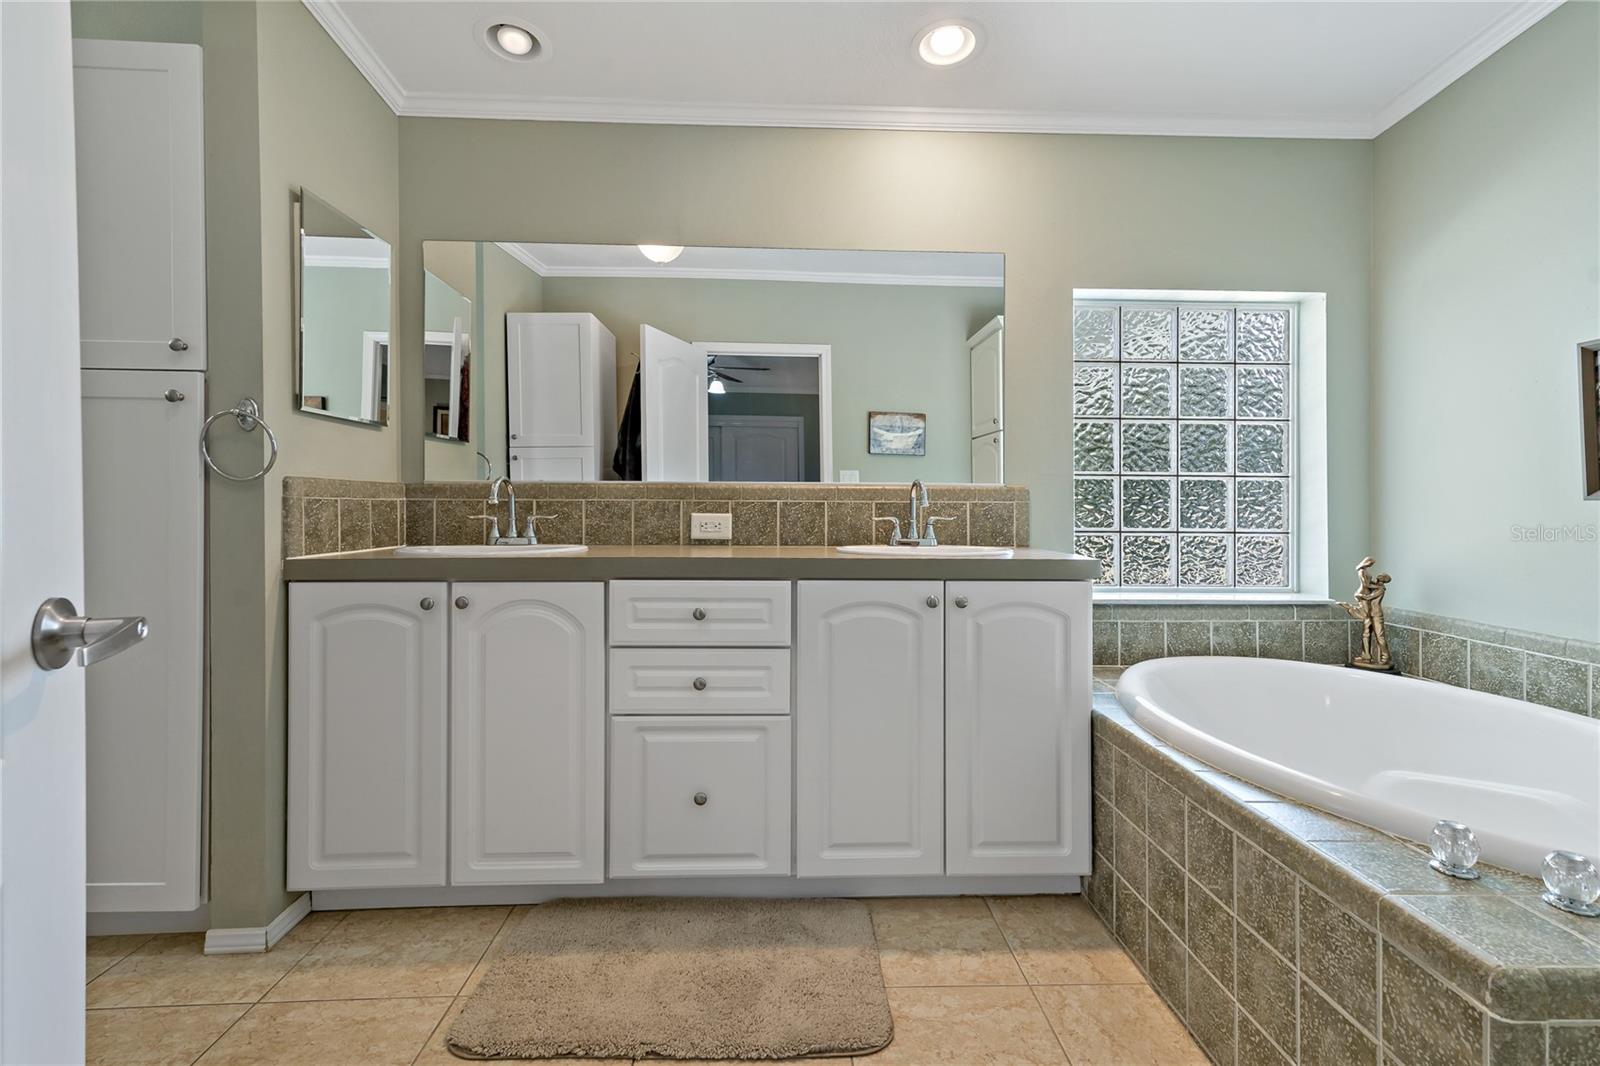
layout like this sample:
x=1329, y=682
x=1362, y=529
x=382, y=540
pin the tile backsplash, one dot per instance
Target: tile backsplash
x=323, y=515
x=612, y=512
x=1552, y=671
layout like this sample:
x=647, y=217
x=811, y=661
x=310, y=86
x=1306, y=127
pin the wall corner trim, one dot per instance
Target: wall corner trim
x=259, y=938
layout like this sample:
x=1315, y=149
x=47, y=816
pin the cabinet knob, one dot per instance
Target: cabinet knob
x=426, y=603
x=960, y=601
x=699, y=614
x=462, y=602
x=699, y=684
x=933, y=601
x=996, y=421
x=516, y=458
x=178, y=344
x=700, y=799
x=513, y=436
x=173, y=396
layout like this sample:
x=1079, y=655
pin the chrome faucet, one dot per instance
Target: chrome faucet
x=921, y=532
x=529, y=533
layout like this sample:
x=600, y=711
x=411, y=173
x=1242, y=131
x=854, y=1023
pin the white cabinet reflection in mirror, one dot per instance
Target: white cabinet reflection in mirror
x=939, y=730
x=561, y=374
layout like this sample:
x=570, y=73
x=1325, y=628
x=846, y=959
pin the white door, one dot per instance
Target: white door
x=141, y=205
x=41, y=546
x=757, y=448
x=696, y=795
x=989, y=459
x=1017, y=692
x=143, y=538
x=673, y=380
x=869, y=722
x=549, y=380
x=367, y=733
x=988, y=382
x=527, y=733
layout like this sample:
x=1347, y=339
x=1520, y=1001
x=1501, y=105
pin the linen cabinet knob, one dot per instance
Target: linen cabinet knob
x=700, y=799
x=699, y=684
x=699, y=614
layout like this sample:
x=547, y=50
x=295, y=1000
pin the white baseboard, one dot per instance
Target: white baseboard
x=259, y=938
x=340, y=899
x=117, y=923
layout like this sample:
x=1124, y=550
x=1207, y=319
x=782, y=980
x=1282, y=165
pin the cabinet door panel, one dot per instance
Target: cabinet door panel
x=550, y=363
x=988, y=380
x=367, y=701
x=870, y=728
x=527, y=733
x=697, y=796
x=1017, y=727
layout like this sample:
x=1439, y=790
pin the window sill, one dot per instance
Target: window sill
x=1206, y=598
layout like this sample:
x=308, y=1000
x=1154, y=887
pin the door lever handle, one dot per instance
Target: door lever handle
x=60, y=633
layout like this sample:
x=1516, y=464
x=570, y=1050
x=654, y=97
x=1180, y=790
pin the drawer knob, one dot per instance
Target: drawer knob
x=699, y=614
x=933, y=601
x=462, y=602
x=426, y=603
x=699, y=684
x=699, y=799
x=961, y=601
x=178, y=344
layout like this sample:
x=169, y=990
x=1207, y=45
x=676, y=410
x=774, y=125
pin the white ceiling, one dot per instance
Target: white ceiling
x=1289, y=68
x=975, y=269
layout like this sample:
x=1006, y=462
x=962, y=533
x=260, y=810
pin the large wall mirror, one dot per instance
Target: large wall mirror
x=342, y=308
x=628, y=362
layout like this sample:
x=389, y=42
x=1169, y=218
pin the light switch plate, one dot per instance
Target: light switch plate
x=710, y=526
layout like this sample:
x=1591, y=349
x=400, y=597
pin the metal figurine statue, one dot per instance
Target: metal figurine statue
x=1368, y=610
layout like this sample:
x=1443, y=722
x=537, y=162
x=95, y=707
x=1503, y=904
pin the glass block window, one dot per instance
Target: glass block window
x=1182, y=436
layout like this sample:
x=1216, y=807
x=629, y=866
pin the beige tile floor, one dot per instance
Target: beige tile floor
x=972, y=982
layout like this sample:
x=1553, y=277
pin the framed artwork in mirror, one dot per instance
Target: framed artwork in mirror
x=1589, y=401
x=897, y=433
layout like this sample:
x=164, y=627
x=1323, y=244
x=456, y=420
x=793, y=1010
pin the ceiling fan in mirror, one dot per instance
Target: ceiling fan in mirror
x=716, y=377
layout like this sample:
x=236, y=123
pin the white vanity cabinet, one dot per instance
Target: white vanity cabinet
x=869, y=723
x=1017, y=692
x=368, y=663
x=527, y=732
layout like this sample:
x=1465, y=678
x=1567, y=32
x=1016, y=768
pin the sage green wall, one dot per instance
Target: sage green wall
x=1486, y=276
x=451, y=274
x=341, y=304
x=1067, y=211
x=895, y=348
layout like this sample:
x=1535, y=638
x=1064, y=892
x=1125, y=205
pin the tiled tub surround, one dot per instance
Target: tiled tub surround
x=1552, y=671
x=653, y=513
x=323, y=515
x=1282, y=934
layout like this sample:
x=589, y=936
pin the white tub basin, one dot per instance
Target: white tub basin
x=936, y=551
x=479, y=551
x=1393, y=752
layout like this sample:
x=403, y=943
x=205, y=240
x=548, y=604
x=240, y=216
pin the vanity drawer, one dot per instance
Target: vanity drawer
x=700, y=681
x=727, y=613
x=697, y=796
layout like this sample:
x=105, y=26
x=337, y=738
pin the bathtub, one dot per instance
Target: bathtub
x=1395, y=753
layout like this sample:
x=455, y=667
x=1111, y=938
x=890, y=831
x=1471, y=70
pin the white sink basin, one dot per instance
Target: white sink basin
x=509, y=551
x=937, y=551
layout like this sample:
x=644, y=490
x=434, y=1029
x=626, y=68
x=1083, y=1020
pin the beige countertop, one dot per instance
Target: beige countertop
x=608, y=562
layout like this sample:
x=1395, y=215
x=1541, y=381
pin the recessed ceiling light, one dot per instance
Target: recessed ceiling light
x=661, y=253
x=946, y=43
x=511, y=40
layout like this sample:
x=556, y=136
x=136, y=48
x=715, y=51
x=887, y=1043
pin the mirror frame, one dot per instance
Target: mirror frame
x=297, y=301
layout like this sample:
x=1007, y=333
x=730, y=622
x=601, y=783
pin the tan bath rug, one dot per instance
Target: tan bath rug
x=681, y=979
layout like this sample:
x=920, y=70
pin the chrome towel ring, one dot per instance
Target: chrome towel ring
x=248, y=414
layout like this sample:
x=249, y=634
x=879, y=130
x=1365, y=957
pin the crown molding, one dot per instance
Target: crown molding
x=360, y=262
x=521, y=254
x=330, y=15
x=355, y=47
x=1495, y=37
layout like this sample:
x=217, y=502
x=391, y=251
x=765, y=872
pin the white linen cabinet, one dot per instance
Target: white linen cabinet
x=368, y=704
x=527, y=732
x=869, y=728
x=1017, y=694
x=561, y=390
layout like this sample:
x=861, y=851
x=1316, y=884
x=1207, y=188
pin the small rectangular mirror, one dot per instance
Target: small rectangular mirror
x=644, y=363
x=342, y=315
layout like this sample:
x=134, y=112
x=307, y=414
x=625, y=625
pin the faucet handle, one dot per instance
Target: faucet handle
x=494, y=525
x=894, y=536
x=931, y=536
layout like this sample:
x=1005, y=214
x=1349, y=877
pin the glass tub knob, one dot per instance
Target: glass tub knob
x=1455, y=849
x=1572, y=883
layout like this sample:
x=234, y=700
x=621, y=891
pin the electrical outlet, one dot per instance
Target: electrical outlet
x=850, y=477
x=710, y=526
